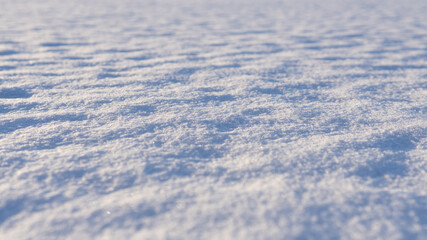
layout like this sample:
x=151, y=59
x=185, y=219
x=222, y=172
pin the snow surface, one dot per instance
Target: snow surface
x=262, y=119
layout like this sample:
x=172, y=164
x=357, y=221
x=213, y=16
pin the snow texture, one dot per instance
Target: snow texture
x=261, y=119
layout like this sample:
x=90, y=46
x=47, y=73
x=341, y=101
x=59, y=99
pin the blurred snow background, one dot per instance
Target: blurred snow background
x=213, y=119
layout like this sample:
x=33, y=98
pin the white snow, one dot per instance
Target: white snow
x=260, y=119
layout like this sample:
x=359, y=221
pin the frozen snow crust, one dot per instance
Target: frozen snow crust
x=213, y=119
